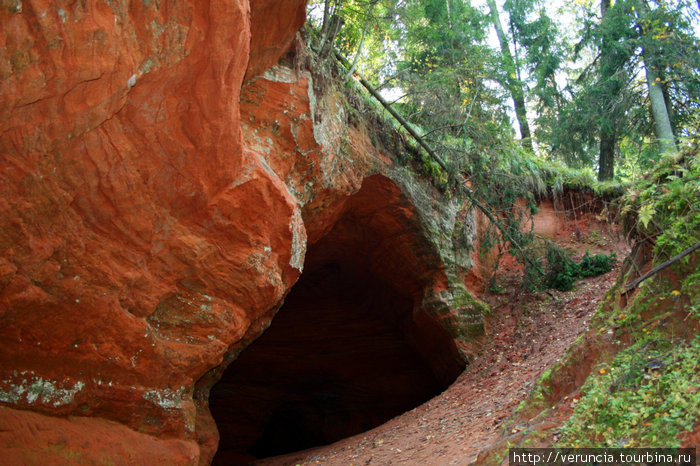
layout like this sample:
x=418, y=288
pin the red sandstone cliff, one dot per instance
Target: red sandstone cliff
x=123, y=186
x=155, y=211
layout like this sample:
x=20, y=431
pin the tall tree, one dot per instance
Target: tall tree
x=443, y=66
x=534, y=32
x=511, y=76
x=629, y=38
x=608, y=128
x=658, y=101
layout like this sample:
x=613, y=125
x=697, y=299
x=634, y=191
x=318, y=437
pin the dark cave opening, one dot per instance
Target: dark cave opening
x=347, y=351
x=334, y=363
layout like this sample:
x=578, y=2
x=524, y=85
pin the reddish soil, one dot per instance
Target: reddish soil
x=528, y=333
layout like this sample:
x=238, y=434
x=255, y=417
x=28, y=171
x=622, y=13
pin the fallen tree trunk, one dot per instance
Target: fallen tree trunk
x=659, y=268
x=394, y=113
x=464, y=189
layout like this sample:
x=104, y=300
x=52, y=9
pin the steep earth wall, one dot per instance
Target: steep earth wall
x=155, y=211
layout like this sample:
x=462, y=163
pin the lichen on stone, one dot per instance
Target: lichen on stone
x=33, y=389
x=166, y=398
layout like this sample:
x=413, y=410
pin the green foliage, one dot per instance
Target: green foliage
x=667, y=36
x=563, y=271
x=637, y=158
x=597, y=264
x=666, y=205
x=367, y=21
x=538, y=36
x=607, y=95
x=433, y=170
x=645, y=397
x=442, y=73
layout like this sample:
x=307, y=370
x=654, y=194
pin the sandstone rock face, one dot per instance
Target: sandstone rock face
x=38, y=439
x=154, y=214
x=272, y=22
x=139, y=241
x=339, y=175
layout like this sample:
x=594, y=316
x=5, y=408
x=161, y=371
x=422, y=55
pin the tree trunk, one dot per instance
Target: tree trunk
x=512, y=84
x=659, y=111
x=334, y=25
x=394, y=113
x=669, y=105
x=362, y=39
x=449, y=16
x=662, y=122
x=608, y=135
x=326, y=18
x=521, y=113
x=357, y=53
x=606, y=161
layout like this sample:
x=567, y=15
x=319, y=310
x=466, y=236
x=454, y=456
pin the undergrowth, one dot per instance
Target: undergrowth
x=645, y=389
x=649, y=393
x=645, y=397
x=562, y=271
x=664, y=206
x=550, y=266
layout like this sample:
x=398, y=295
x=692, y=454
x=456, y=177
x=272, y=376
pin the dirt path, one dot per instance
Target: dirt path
x=530, y=332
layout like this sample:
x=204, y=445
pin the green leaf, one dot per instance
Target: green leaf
x=646, y=213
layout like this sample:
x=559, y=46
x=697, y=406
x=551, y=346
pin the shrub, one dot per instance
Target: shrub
x=563, y=271
x=598, y=264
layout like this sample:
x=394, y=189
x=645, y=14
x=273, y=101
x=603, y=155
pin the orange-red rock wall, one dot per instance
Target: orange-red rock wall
x=32, y=438
x=560, y=220
x=128, y=204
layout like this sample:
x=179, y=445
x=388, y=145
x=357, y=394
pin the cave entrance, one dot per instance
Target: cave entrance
x=346, y=352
